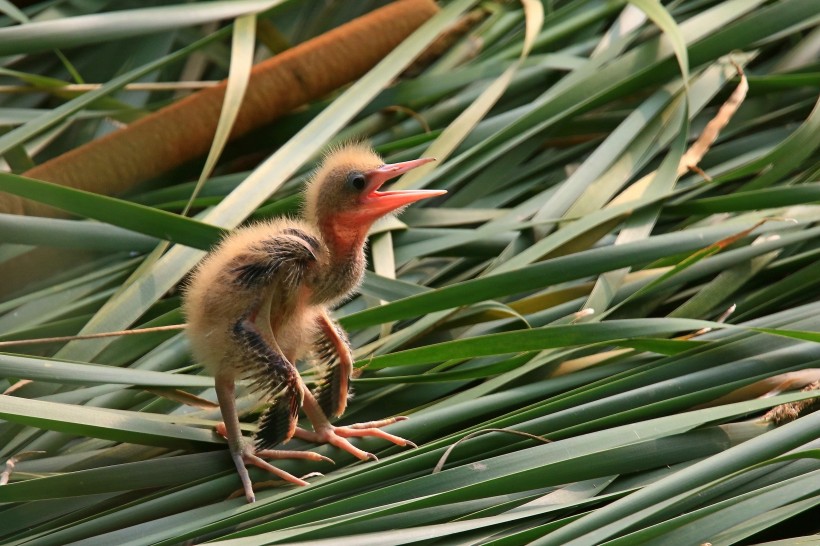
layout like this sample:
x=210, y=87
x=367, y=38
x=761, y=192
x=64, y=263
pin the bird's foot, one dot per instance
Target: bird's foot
x=338, y=436
x=256, y=457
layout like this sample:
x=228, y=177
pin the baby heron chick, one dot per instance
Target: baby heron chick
x=260, y=301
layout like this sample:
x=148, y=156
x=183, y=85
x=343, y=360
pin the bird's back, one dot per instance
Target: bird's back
x=222, y=290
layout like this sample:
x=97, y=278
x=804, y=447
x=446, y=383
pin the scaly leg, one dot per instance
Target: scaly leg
x=242, y=453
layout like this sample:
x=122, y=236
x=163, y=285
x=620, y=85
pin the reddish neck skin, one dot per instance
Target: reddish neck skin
x=344, y=235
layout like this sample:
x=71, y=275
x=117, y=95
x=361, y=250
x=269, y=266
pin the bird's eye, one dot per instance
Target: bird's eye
x=356, y=181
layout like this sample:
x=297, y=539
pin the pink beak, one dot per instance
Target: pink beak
x=375, y=203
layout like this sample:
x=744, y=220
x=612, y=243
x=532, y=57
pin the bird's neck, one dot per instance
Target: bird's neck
x=344, y=240
x=346, y=262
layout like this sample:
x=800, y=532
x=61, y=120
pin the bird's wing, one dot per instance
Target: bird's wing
x=335, y=364
x=282, y=258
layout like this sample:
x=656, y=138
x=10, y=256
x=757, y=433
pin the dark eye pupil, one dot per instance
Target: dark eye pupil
x=356, y=180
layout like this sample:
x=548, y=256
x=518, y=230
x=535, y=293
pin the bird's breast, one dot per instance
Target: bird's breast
x=335, y=280
x=296, y=333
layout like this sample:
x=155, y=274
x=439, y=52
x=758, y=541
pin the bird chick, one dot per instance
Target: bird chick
x=260, y=301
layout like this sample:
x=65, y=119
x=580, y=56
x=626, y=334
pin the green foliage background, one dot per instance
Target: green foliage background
x=563, y=196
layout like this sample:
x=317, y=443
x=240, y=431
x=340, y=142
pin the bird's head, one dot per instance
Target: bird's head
x=343, y=197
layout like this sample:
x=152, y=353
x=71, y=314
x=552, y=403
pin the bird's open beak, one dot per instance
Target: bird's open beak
x=377, y=203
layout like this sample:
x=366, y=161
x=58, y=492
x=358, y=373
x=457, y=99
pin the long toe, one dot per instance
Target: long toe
x=251, y=458
x=380, y=423
x=333, y=438
x=284, y=454
x=338, y=437
x=354, y=431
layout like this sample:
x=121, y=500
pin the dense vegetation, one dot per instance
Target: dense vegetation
x=606, y=272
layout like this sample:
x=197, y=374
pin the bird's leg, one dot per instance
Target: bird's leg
x=330, y=397
x=243, y=453
x=225, y=394
x=270, y=372
x=335, y=365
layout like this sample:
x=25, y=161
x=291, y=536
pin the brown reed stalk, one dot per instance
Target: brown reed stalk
x=183, y=131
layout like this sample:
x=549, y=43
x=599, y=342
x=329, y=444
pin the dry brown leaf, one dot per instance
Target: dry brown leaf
x=10, y=464
x=767, y=387
x=690, y=160
x=786, y=413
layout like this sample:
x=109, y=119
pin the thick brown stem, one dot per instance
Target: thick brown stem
x=184, y=130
